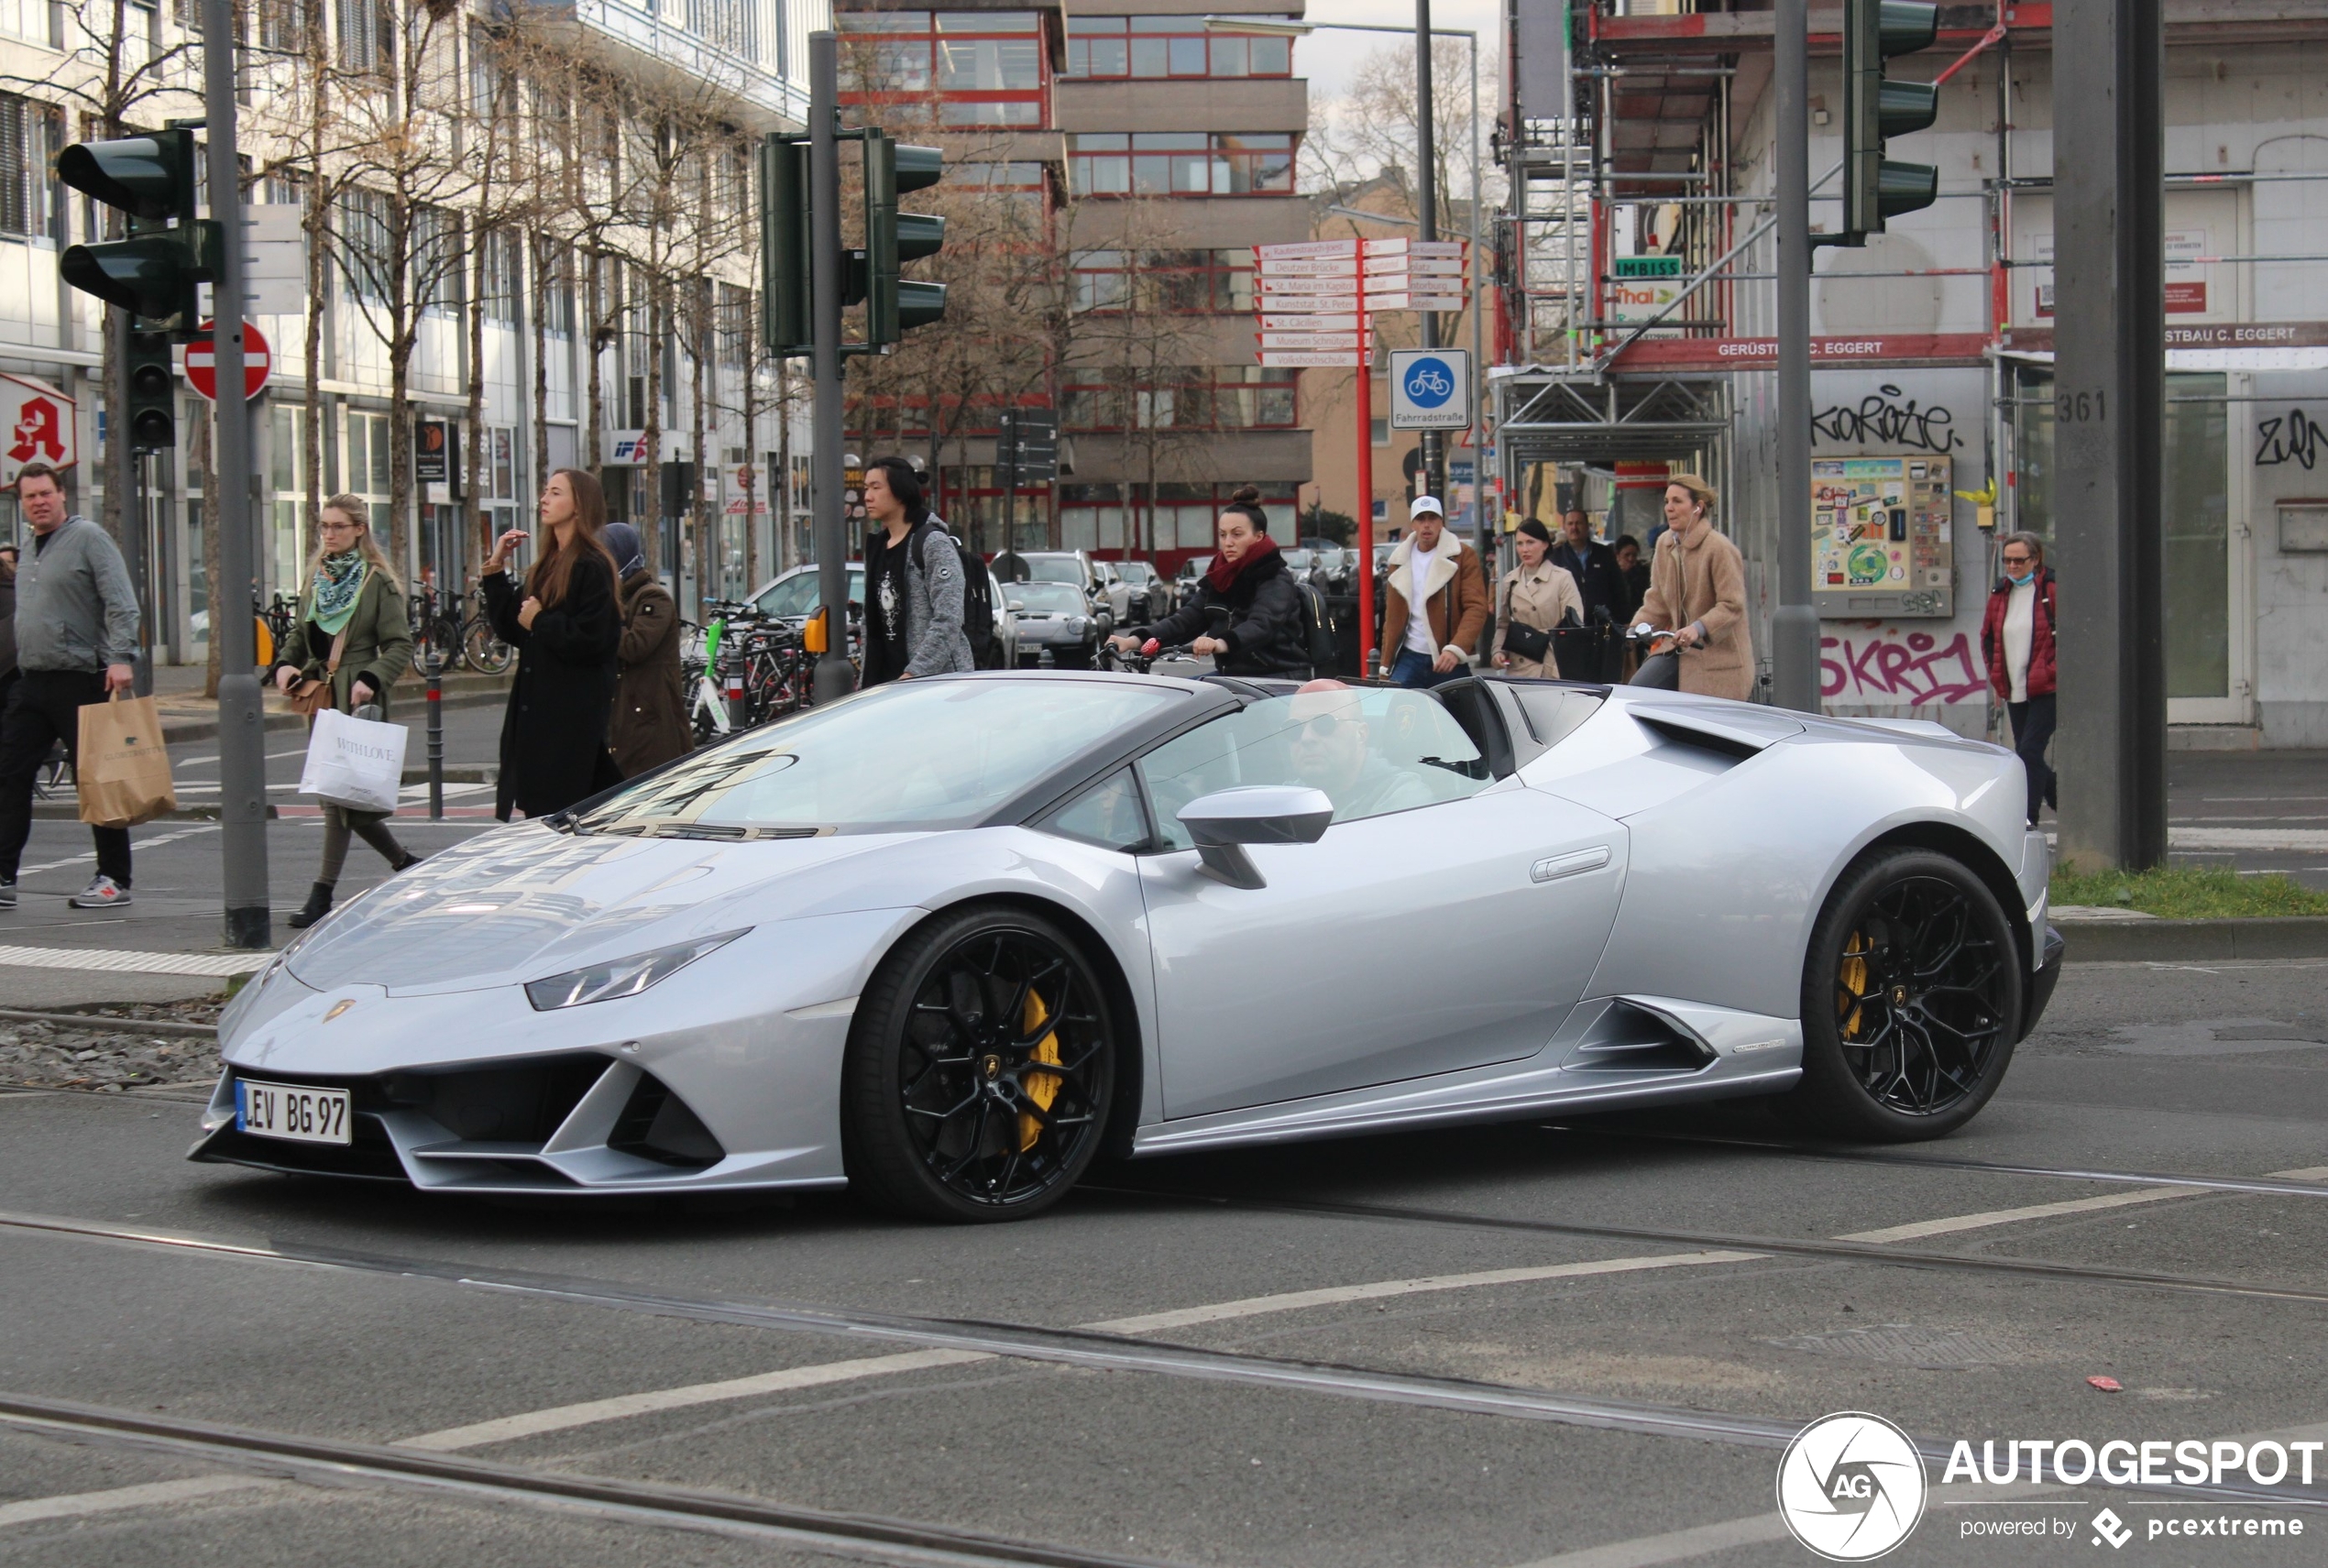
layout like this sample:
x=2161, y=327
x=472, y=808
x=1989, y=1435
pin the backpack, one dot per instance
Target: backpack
x=978, y=599
x=1324, y=650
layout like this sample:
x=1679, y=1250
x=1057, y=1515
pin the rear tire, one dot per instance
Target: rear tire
x=1912, y=993
x=980, y=1069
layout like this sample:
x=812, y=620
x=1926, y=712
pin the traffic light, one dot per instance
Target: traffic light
x=785, y=322
x=1874, y=187
x=893, y=304
x=152, y=273
x=153, y=393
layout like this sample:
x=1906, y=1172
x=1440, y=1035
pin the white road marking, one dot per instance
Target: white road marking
x=114, y=961
x=1923, y=1228
x=2247, y=839
x=88, y=855
x=2309, y=1173
x=78, y=1504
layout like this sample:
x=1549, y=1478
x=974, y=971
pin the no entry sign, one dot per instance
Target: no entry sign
x=202, y=364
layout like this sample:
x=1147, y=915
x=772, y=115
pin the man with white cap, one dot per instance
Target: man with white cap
x=1434, y=569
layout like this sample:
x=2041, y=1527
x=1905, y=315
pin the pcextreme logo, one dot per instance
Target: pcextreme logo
x=1850, y=1487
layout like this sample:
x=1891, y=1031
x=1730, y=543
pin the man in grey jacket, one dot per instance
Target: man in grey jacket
x=76, y=634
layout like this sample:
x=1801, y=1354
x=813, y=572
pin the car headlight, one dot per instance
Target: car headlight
x=1075, y=624
x=621, y=977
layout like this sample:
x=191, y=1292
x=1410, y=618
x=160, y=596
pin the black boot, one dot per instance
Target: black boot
x=318, y=905
x=404, y=861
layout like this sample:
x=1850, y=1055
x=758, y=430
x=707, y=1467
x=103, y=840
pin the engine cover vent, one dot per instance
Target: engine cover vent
x=1627, y=1038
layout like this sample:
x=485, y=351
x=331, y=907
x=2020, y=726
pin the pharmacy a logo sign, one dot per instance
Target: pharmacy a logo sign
x=1850, y=1487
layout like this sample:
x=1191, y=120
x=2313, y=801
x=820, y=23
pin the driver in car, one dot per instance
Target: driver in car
x=1331, y=753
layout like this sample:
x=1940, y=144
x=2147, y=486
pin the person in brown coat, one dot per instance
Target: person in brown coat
x=1698, y=586
x=1538, y=596
x=650, y=723
x=1435, y=568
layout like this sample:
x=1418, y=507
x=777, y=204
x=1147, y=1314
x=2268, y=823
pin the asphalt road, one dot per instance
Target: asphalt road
x=1534, y=1344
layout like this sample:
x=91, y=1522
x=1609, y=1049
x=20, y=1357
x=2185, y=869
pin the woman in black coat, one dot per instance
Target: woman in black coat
x=566, y=624
x=1261, y=634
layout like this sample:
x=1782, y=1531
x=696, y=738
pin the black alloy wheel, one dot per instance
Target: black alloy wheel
x=1911, y=1001
x=978, y=1071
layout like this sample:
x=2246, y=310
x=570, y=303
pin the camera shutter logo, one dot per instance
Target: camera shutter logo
x=1852, y=1487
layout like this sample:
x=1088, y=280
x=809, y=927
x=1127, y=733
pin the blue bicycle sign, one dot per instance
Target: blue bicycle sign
x=1430, y=383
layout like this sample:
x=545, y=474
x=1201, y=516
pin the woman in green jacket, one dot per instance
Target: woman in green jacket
x=354, y=607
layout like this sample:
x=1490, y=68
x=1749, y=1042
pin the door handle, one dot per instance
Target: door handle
x=1552, y=868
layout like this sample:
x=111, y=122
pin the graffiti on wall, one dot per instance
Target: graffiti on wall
x=1882, y=419
x=2291, y=439
x=1891, y=664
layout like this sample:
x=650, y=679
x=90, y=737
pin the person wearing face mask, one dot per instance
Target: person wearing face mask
x=2017, y=638
x=650, y=723
x=1698, y=589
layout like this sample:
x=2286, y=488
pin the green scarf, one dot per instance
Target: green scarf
x=337, y=582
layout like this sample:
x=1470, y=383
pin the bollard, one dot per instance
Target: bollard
x=435, y=733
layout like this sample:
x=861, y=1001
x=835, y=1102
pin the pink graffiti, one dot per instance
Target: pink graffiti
x=1889, y=666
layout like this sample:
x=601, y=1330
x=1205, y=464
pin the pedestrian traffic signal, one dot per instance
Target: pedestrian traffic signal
x=894, y=304
x=151, y=273
x=153, y=393
x=1874, y=187
x=786, y=313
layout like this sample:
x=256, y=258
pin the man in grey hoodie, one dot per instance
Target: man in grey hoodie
x=76, y=633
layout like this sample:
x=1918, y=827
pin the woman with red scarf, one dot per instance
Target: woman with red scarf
x=1244, y=612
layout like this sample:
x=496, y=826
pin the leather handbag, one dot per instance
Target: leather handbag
x=1521, y=641
x=311, y=697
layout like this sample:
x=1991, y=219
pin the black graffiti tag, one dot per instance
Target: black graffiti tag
x=2294, y=439
x=1879, y=419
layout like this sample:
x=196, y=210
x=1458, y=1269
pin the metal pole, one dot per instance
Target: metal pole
x=835, y=676
x=1365, y=472
x=435, y=668
x=1795, y=625
x=242, y=748
x=2109, y=412
x=1433, y=476
x=1484, y=526
x=122, y=476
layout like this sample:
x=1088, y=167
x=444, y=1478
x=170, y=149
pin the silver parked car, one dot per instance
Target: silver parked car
x=947, y=940
x=1053, y=618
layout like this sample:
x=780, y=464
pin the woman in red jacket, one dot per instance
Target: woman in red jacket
x=2017, y=638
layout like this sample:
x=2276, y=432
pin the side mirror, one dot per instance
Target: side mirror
x=1015, y=606
x=1222, y=823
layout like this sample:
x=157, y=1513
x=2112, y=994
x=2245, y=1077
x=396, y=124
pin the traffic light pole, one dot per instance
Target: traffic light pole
x=122, y=473
x=1794, y=624
x=242, y=751
x=1433, y=477
x=835, y=678
x=2109, y=405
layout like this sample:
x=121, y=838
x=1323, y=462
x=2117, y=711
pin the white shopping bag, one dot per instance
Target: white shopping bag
x=354, y=763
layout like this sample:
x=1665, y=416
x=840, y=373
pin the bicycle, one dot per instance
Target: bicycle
x=273, y=622
x=1661, y=650
x=480, y=647
x=433, y=629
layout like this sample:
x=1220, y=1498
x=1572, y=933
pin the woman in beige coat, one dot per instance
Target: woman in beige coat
x=1698, y=586
x=1537, y=594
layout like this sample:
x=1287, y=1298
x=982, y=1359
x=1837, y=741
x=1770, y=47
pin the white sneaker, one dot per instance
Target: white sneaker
x=7, y=894
x=102, y=893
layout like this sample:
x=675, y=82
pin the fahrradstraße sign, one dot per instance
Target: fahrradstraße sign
x=1429, y=389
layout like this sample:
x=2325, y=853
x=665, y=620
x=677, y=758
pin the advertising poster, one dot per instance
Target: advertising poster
x=1881, y=536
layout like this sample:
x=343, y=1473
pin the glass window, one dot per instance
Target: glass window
x=1109, y=814
x=1187, y=56
x=797, y=596
x=1150, y=57
x=1372, y=751
x=989, y=65
x=1111, y=57
x=1229, y=57
x=885, y=22
x=900, y=65
x=937, y=753
x=987, y=22
x=1051, y=595
x=1272, y=57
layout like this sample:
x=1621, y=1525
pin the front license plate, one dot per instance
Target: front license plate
x=287, y=1111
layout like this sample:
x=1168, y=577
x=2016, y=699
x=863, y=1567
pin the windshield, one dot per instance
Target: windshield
x=1055, y=598
x=1133, y=571
x=1196, y=567
x=1056, y=569
x=917, y=754
x=796, y=597
x=1297, y=559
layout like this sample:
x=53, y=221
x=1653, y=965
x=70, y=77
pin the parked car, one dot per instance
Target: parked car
x=1191, y=571
x=1137, y=592
x=1054, y=617
x=794, y=595
x=1077, y=568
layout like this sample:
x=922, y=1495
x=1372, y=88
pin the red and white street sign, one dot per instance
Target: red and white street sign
x=1294, y=321
x=1347, y=342
x=202, y=364
x=1312, y=266
x=1271, y=284
x=1310, y=359
x=1305, y=249
x=1385, y=248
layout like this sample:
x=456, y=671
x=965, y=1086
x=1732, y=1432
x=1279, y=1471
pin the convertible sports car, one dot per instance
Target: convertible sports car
x=948, y=941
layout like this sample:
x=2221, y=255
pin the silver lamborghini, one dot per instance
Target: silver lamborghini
x=946, y=941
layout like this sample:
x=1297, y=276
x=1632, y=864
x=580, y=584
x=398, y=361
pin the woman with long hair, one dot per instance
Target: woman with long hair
x=565, y=622
x=1538, y=600
x=353, y=633
x=1697, y=589
x=1244, y=612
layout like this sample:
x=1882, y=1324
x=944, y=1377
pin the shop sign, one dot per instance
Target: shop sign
x=40, y=427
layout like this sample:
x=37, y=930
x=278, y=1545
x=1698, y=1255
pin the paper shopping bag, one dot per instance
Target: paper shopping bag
x=354, y=763
x=121, y=764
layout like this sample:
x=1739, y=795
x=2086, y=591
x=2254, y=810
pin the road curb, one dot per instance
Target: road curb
x=2119, y=941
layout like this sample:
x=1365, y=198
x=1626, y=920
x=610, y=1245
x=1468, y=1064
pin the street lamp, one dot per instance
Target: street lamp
x=1426, y=177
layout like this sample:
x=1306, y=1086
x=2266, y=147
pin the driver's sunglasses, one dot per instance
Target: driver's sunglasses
x=1323, y=727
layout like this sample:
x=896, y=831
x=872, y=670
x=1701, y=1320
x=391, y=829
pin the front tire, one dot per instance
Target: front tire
x=980, y=1067
x=1912, y=988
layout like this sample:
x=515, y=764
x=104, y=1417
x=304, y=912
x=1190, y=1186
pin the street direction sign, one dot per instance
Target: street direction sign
x=1311, y=266
x=1412, y=247
x=1347, y=341
x=1294, y=321
x=1429, y=389
x=201, y=363
x=274, y=260
x=1272, y=284
x=1311, y=304
x=1304, y=250
x=1316, y=360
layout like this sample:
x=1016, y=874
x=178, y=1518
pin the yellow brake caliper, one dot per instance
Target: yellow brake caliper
x=1042, y=1088
x=1853, y=976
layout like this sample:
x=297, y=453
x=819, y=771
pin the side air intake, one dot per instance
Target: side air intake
x=1627, y=1038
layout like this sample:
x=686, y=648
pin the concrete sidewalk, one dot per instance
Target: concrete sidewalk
x=188, y=715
